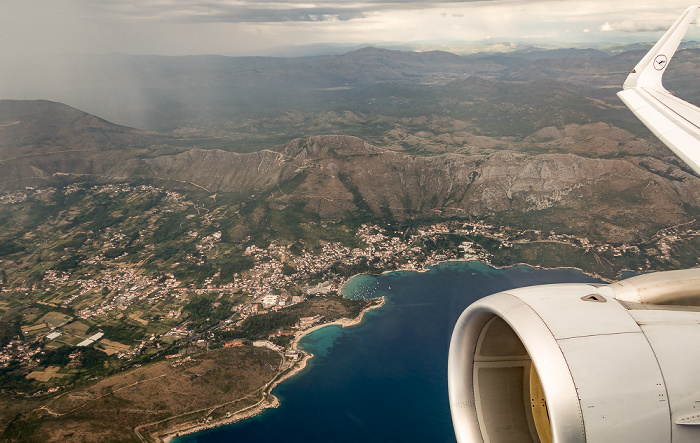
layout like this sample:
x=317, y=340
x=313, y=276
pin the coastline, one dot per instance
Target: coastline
x=427, y=265
x=342, y=322
x=546, y=268
x=268, y=400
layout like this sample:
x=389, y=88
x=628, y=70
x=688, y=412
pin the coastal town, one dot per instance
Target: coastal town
x=109, y=302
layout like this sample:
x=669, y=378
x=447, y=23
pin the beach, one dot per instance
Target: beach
x=387, y=379
x=268, y=400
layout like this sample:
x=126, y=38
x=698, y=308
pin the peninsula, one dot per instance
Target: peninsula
x=136, y=262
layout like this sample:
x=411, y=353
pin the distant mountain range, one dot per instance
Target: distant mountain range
x=292, y=156
x=337, y=177
x=372, y=133
x=164, y=93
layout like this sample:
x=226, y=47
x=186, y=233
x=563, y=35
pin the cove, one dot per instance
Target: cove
x=385, y=379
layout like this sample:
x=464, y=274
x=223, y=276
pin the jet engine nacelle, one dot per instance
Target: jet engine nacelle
x=580, y=363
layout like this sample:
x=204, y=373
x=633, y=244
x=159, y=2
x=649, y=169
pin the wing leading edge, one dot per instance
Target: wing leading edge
x=674, y=121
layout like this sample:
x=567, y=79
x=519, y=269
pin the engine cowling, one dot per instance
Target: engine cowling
x=580, y=363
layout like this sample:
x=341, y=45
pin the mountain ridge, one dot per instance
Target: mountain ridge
x=340, y=176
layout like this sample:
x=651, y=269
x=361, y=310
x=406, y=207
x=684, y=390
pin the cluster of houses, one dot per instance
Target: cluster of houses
x=276, y=269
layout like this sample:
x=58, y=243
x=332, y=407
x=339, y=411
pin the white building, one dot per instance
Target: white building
x=267, y=344
x=90, y=340
x=270, y=300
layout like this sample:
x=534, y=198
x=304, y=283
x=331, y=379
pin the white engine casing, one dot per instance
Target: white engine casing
x=612, y=366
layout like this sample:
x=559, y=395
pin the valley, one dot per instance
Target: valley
x=130, y=255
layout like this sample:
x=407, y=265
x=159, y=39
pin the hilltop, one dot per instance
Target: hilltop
x=270, y=181
x=591, y=179
x=166, y=93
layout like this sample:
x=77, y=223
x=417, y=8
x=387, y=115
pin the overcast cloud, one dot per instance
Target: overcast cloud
x=240, y=27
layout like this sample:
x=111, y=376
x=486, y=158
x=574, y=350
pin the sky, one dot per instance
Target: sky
x=271, y=27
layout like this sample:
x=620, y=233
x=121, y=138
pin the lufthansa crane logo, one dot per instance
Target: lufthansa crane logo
x=660, y=62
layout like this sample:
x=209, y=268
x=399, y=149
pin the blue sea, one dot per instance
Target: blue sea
x=384, y=380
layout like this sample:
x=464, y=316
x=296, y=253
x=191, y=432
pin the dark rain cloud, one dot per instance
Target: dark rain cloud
x=265, y=11
x=255, y=15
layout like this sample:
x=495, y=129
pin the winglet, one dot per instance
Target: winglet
x=651, y=68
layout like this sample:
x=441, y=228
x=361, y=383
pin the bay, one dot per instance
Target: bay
x=386, y=379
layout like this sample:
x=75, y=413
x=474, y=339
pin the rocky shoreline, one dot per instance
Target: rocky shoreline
x=268, y=400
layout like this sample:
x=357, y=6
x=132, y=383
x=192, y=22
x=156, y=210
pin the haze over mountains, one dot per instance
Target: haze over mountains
x=169, y=177
x=383, y=133
x=164, y=93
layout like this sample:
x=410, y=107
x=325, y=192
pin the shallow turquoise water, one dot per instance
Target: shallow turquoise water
x=386, y=379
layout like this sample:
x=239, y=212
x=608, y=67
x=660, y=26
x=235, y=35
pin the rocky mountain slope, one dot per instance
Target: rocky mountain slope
x=33, y=126
x=339, y=177
x=42, y=140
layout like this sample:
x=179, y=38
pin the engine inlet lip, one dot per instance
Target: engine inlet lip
x=565, y=414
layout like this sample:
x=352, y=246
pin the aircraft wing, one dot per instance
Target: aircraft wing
x=674, y=121
x=582, y=363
